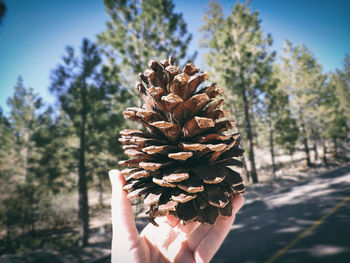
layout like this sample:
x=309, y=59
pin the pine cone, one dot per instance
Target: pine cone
x=181, y=161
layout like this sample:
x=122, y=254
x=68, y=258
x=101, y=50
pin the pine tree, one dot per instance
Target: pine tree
x=213, y=18
x=271, y=110
x=341, y=80
x=241, y=61
x=3, y=9
x=25, y=106
x=86, y=98
x=139, y=31
x=6, y=149
x=287, y=132
x=7, y=155
x=54, y=157
x=23, y=202
x=303, y=81
x=333, y=127
x=283, y=129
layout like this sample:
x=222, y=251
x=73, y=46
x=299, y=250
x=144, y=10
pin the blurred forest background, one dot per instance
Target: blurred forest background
x=55, y=157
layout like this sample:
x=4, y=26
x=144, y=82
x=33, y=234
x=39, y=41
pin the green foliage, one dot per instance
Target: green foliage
x=52, y=145
x=341, y=79
x=28, y=137
x=139, y=31
x=286, y=131
x=302, y=80
x=332, y=106
x=239, y=57
x=86, y=94
x=29, y=209
x=7, y=152
x=213, y=18
x=313, y=96
x=33, y=204
x=89, y=102
x=25, y=106
x=26, y=177
x=284, y=125
x=2, y=10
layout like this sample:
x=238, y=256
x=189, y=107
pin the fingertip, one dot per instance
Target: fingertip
x=237, y=202
x=113, y=176
x=172, y=220
x=121, y=179
x=116, y=178
x=198, y=257
x=188, y=228
x=113, y=172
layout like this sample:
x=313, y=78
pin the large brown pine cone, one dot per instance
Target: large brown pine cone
x=182, y=162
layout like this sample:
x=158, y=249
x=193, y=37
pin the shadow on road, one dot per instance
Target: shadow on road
x=265, y=226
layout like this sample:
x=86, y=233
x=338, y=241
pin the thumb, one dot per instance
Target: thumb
x=125, y=234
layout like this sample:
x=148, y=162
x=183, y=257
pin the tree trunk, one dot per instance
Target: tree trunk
x=23, y=225
x=307, y=152
x=82, y=182
x=8, y=237
x=272, y=151
x=325, y=154
x=292, y=158
x=315, y=151
x=32, y=217
x=253, y=172
x=335, y=147
x=100, y=189
x=245, y=168
x=26, y=155
x=32, y=223
x=306, y=146
x=32, y=230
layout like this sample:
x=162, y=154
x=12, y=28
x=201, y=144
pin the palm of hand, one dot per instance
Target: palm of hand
x=171, y=241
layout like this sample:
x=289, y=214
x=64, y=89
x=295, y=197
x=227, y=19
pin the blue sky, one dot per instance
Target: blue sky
x=34, y=33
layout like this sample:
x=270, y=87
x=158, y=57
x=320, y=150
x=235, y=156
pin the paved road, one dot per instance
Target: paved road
x=309, y=222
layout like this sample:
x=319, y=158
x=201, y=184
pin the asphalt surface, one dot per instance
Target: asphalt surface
x=309, y=222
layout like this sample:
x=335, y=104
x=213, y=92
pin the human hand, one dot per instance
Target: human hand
x=171, y=241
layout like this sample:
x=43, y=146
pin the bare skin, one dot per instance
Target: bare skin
x=171, y=241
